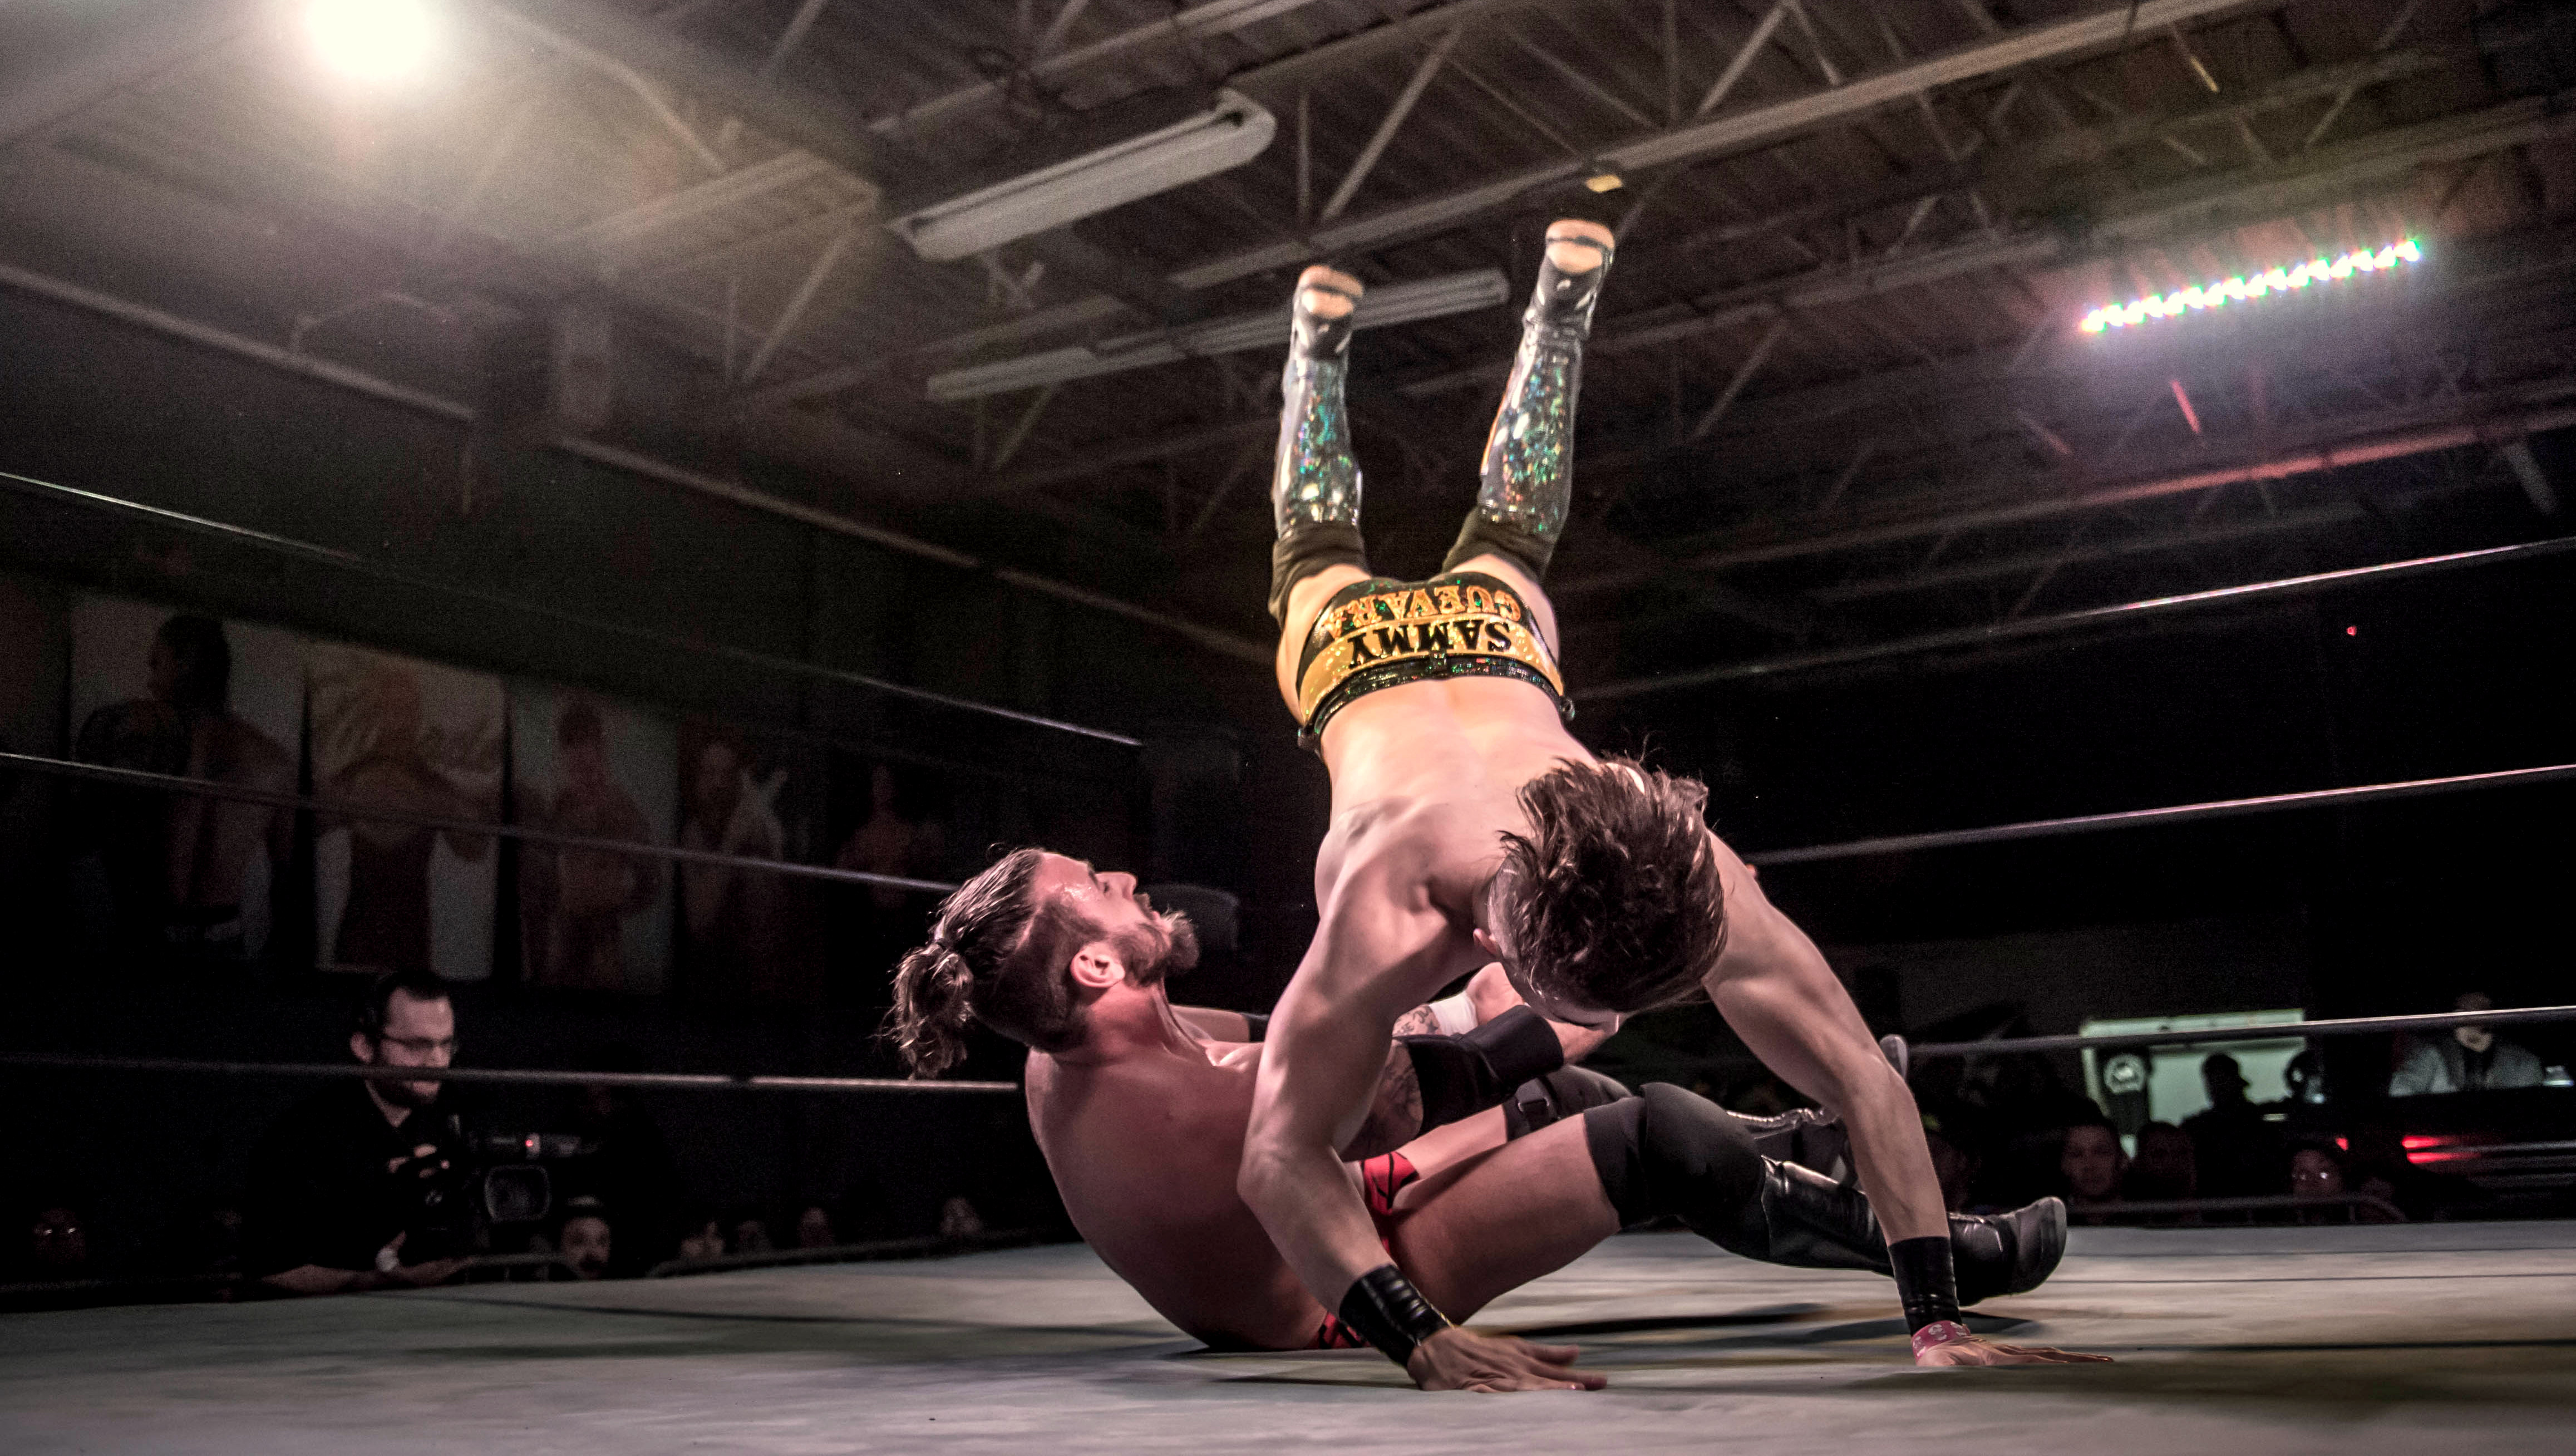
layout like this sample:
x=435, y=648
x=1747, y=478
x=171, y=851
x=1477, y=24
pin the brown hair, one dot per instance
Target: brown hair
x=992, y=957
x=1612, y=900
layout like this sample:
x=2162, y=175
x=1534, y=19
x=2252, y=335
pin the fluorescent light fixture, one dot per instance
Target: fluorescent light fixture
x=1230, y=133
x=1398, y=303
x=2251, y=286
x=379, y=42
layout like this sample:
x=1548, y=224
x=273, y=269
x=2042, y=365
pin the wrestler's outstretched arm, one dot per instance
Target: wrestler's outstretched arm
x=1774, y=988
x=1381, y=946
x=1487, y=995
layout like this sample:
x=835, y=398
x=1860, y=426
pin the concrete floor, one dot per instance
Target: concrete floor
x=2407, y=1339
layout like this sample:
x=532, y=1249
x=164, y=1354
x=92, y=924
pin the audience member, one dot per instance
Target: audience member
x=751, y=1235
x=215, y=1240
x=814, y=1229
x=2320, y=1171
x=57, y=1245
x=2315, y=1173
x=2164, y=1167
x=345, y=1188
x=627, y=1164
x=2304, y=1079
x=703, y=1237
x=2090, y=1161
x=585, y=1238
x=959, y=1220
x=2238, y=1154
x=2471, y=1059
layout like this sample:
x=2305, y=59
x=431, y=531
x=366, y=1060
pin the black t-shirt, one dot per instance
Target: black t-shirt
x=322, y=1190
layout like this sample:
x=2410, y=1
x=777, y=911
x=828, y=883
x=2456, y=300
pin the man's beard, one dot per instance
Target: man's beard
x=406, y=1094
x=1154, y=958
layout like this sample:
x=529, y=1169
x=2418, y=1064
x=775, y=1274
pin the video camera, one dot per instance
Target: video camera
x=500, y=1180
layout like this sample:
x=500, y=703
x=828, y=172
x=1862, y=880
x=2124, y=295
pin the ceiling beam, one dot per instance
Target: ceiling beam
x=1199, y=22
x=818, y=125
x=1747, y=127
x=120, y=49
x=2506, y=415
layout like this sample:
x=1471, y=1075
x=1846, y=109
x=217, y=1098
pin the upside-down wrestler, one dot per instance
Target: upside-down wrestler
x=1140, y=1107
x=1469, y=826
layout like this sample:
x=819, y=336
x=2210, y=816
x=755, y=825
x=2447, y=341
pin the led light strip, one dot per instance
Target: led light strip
x=2239, y=290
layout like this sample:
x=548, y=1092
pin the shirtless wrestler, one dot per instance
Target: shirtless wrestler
x=1140, y=1107
x=1469, y=826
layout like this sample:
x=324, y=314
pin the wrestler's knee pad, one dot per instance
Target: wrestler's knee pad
x=1544, y=1101
x=1306, y=547
x=1671, y=1152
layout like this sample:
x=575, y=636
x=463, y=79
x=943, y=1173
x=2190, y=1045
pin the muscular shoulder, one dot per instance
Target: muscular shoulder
x=1396, y=848
x=1756, y=931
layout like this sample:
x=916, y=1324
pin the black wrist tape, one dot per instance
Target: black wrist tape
x=1463, y=1075
x=1256, y=1027
x=1925, y=1280
x=1384, y=1308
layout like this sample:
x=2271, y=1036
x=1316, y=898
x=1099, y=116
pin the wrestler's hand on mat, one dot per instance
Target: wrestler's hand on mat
x=1457, y=1359
x=1977, y=1350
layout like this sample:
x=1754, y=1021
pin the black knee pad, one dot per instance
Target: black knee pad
x=1307, y=549
x=1481, y=536
x=1544, y=1101
x=1671, y=1152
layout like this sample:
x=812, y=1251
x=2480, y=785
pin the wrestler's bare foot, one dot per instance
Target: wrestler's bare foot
x=1328, y=293
x=1977, y=1350
x=1457, y=1359
x=1577, y=246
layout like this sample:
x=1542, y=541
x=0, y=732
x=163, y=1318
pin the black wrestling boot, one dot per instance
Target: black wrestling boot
x=1807, y=1221
x=2009, y=1253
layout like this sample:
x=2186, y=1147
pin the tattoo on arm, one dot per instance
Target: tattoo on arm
x=1395, y=1117
x=1420, y=1021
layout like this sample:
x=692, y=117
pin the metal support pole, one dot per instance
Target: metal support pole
x=1386, y=129
x=798, y=302
x=1743, y=375
x=1743, y=58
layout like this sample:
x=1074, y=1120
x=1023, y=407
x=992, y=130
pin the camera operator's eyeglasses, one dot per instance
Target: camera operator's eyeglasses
x=422, y=1046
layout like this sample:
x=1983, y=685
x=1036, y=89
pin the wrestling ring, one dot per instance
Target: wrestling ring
x=2327, y=1338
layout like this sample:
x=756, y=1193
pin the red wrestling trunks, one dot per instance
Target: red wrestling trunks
x=1381, y=1178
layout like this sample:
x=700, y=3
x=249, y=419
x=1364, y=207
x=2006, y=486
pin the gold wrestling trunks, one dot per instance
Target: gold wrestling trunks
x=1381, y=632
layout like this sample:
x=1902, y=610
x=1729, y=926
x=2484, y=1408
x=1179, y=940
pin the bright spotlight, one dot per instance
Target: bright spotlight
x=2250, y=286
x=382, y=42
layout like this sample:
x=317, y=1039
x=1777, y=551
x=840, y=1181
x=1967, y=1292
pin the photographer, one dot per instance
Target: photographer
x=347, y=1189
